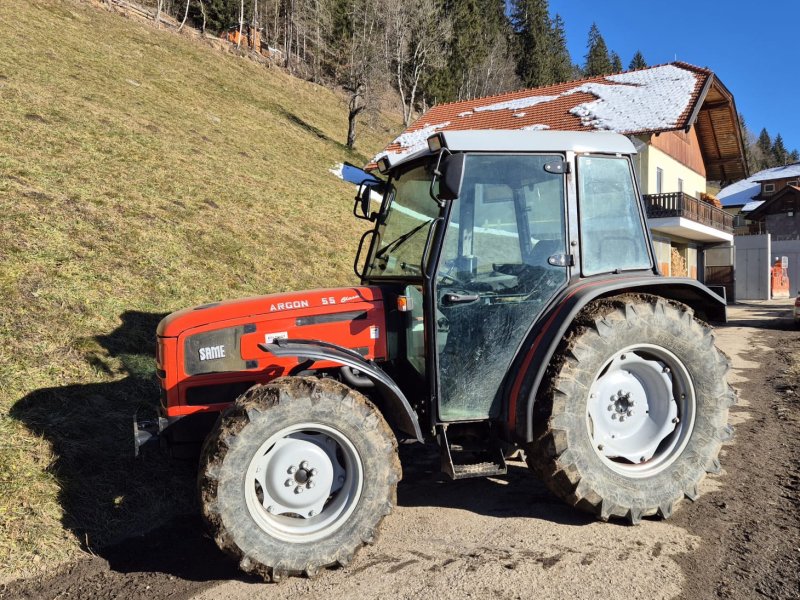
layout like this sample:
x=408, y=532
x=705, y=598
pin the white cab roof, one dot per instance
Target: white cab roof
x=497, y=140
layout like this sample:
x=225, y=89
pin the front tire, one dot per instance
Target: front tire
x=297, y=475
x=634, y=411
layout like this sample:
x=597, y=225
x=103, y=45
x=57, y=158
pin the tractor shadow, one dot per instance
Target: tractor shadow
x=517, y=494
x=761, y=315
x=109, y=497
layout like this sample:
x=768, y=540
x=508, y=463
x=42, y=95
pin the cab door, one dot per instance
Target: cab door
x=504, y=256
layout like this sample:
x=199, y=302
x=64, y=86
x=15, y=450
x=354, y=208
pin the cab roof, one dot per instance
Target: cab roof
x=601, y=142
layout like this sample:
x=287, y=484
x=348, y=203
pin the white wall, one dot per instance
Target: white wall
x=652, y=158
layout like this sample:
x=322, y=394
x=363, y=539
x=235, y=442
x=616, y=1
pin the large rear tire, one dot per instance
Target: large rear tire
x=634, y=409
x=297, y=475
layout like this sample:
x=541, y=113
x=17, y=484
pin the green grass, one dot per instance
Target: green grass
x=140, y=172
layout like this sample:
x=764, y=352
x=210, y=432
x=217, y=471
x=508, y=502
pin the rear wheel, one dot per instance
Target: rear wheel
x=635, y=409
x=297, y=475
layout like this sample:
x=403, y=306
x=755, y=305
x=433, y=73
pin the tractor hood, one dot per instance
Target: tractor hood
x=312, y=303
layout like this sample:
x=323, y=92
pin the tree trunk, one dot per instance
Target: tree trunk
x=185, y=15
x=158, y=13
x=241, y=23
x=203, y=11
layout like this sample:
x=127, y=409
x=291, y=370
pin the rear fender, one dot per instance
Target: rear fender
x=535, y=354
x=396, y=405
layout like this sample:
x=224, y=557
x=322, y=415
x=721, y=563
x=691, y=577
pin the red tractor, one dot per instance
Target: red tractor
x=510, y=298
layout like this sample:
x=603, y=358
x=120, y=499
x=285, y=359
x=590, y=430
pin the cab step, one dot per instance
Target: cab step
x=470, y=458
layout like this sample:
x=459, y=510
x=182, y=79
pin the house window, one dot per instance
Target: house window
x=659, y=180
x=680, y=185
x=769, y=188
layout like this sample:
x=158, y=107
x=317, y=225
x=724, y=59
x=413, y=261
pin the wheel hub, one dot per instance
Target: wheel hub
x=298, y=475
x=632, y=408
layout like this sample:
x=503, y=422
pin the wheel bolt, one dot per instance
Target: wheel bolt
x=311, y=513
x=298, y=489
x=631, y=402
x=270, y=509
x=289, y=482
x=621, y=418
x=642, y=459
x=304, y=465
x=610, y=407
x=291, y=470
x=310, y=484
x=666, y=369
x=600, y=447
x=676, y=420
x=313, y=472
x=622, y=357
x=630, y=413
x=614, y=416
x=341, y=478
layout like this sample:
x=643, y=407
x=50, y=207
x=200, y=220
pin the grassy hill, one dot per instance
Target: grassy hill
x=140, y=172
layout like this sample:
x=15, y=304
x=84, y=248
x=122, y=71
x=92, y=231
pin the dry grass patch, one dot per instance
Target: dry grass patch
x=140, y=172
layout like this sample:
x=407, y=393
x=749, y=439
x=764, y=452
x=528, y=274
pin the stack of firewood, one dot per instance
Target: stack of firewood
x=678, y=264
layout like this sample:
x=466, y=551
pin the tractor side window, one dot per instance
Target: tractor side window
x=612, y=232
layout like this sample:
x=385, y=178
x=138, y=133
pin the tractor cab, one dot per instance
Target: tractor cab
x=477, y=234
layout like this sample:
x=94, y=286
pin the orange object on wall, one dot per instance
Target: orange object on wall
x=780, y=279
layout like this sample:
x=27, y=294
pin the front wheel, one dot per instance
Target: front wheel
x=297, y=475
x=635, y=410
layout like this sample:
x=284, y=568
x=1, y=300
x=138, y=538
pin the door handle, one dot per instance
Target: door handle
x=450, y=298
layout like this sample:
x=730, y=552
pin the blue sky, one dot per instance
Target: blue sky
x=752, y=46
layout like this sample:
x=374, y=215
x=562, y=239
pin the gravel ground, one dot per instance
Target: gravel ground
x=507, y=537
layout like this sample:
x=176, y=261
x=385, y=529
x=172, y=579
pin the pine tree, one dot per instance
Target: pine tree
x=530, y=20
x=597, y=59
x=637, y=62
x=616, y=63
x=779, y=153
x=764, y=145
x=561, y=67
x=794, y=156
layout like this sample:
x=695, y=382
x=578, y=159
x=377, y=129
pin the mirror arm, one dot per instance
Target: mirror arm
x=437, y=173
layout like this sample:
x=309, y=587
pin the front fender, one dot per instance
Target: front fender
x=535, y=354
x=401, y=413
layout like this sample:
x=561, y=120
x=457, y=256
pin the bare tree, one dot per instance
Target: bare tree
x=414, y=38
x=360, y=53
x=203, y=12
x=159, y=5
x=185, y=15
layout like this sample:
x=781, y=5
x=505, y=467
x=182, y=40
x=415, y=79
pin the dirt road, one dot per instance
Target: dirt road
x=509, y=538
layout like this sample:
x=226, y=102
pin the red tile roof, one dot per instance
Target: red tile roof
x=655, y=99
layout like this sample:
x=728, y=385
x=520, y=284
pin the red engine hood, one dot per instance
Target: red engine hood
x=281, y=305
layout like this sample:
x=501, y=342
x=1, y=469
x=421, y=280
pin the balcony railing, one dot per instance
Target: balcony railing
x=679, y=204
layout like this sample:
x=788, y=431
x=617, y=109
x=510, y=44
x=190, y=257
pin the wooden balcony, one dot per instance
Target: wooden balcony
x=683, y=205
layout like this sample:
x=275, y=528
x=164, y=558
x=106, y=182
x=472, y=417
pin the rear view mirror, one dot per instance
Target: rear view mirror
x=363, y=199
x=450, y=174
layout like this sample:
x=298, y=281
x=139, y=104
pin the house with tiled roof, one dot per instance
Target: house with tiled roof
x=681, y=118
x=742, y=198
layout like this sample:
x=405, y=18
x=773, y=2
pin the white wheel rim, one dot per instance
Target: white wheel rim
x=303, y=482
x=641, y=410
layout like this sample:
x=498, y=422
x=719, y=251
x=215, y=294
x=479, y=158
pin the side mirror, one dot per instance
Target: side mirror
x=450, y=174
x=363, y=199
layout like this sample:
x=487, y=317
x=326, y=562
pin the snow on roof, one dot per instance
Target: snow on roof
x=413, y=141
x=742, y=192
x=535, y=127
x=751, y=206
x=655, y=99
x=516, y=104
x=649, y=99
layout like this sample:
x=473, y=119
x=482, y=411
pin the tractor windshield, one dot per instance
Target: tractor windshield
x=410, y=212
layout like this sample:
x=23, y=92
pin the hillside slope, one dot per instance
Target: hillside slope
x=140, y=172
